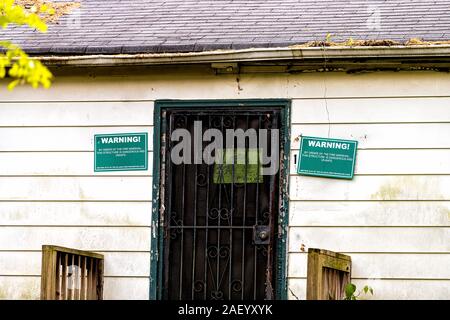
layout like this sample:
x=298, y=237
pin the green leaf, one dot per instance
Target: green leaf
x=366, y=289
x=350, y=290
x=371, y=291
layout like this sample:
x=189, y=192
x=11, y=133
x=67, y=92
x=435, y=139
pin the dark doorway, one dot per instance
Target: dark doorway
x=220, y=221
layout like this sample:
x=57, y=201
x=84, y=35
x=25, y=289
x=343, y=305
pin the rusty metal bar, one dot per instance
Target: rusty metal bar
x=168, y=202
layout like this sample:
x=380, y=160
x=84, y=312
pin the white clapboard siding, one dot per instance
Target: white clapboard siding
x=90, y=113
x=75, y=188
x=60, y=138
x=370, y=213
x=406, y=290
x=126, y=289
x=368, y=162
x=384, y=266
x=76, y=213
x=28, y=288
x=83, y=238
x=46, y=156
x=297, y=289
x=370, y=188
x=58, y=163
x=371, y=239
x=20, y=288
x=129, y=264
x=386, y=289
x=418, y=161
x=381, y=110
x=183, y=85
x=376, y=135
x=165, y=85
x=380, y=84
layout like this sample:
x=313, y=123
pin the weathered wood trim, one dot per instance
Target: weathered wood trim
x=295, y=53
x=49, y=273
x=73, y=251
x=317, y=260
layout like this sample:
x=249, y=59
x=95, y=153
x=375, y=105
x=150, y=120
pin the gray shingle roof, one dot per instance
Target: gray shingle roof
x=138, y=26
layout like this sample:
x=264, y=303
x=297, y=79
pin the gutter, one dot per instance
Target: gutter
x=298, y=53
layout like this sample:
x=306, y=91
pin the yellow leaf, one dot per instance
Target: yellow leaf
x=13, y=84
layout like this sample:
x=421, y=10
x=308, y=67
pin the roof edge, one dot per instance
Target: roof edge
x=247, y=55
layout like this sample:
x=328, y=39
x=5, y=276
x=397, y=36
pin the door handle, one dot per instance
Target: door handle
x=261, y=234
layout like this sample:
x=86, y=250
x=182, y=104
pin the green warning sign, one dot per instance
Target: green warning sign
x=324, y=157
x=120, y=152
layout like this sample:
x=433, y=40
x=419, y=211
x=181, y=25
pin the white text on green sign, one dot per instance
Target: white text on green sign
x=325, y=157
x=121, y=152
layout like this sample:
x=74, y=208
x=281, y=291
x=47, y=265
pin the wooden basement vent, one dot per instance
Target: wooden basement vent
x=328, y=274
x=70, y=274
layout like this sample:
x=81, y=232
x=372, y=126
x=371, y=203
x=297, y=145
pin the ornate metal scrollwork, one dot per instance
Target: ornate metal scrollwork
x=212, y=252
x=224, y=214
x=216, y=122
x=224, y=251
x=174, y=233
x=199, y=286
x=180, y=122
x=267, y=122
x=174, y=223
x=214, y=213
x=201, y=180
x=221, y=251
x=264, y=219
x=216, y=295
x=228, y=122
x=262, y=249
x=236, y=285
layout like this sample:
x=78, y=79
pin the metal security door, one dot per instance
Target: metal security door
x=220, y=219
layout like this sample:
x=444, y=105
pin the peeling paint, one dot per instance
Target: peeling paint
x=239, y=88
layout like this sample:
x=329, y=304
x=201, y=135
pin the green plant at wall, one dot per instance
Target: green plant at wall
x=350, y=290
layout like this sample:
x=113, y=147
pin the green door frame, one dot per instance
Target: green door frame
x=156, y=261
